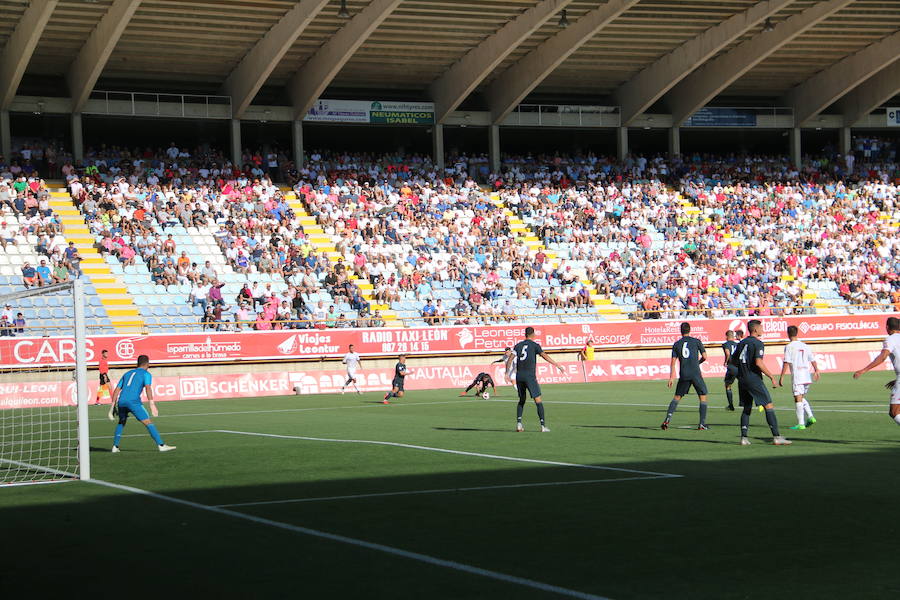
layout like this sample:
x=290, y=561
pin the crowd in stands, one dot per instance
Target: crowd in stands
x=695, y=235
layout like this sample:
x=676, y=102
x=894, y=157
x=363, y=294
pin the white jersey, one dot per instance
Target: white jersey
x=351, y=359
x=892, y=345
x=800, y=356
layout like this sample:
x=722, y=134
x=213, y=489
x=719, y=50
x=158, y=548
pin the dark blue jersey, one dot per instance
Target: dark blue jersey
x=728, y=347
x=526, y=353
x=688, y=350
x=744, y=358
x=399, y=371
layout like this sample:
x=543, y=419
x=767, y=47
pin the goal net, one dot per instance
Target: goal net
x=43, y=386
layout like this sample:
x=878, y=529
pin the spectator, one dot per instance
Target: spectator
x=30, y=276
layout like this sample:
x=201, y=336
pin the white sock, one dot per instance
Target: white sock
x=799, y=407
x=354, y=386
x=808, y=408
x=897, y=419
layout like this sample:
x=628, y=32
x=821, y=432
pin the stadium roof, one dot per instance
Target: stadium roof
x=672, y=55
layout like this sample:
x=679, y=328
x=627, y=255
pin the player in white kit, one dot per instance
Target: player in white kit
x=804, y=370
x=510, y=362
x=352, y=360
x=891, y=348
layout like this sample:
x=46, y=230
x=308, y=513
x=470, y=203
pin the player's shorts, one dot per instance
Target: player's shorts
x=800, y=389
x=138, y=410
x=731, y=373
x=511, y=375
x=397, y=384
x=753, y=393
x=530, y=384
x=351, y=374
x=684, y=386
x=895, y=393
x=104, y=378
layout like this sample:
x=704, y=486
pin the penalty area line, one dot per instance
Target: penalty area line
x=416, y=556
x=449, y=451
x=445, y=491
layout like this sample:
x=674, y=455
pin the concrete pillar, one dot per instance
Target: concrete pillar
x=5, y=135
x=437, y=141
x=621, y=142
x=845, y=140
x=236, y=142
x=796, y=149
x=77, y=139
x=674, y=141
x=494, y=148
x=297, y=139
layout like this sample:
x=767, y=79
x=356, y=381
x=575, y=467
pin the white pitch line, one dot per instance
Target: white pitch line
x=445, y=491
x=290, y=410
x=416, y=556
x=662, y=406
x=449, y=451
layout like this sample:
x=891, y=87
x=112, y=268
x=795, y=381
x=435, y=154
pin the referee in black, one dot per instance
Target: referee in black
x=526, y=353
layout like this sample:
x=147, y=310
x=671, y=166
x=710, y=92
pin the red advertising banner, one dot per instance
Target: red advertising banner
x=477, y=339
x=238, y=385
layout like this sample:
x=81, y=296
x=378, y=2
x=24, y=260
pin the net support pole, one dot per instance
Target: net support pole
x=81, y=387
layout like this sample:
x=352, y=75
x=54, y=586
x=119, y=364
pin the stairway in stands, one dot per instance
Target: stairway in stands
x=603, y=305
x=112, y=292
x=822, y=306
x=322, y=242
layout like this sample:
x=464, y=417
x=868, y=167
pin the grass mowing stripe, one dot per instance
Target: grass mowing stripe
x=424, y=558
x=445, y=491
x=293, y=410
x=449, y=451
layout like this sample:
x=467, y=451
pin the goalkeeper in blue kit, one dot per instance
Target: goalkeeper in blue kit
x=126, y=398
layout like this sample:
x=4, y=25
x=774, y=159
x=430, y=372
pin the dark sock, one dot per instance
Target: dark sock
x=772, y=420
x=540, y=409
x=703, y=408
x=519, y=408
x=388, y=395
x=469, y=388
x=673, y=405
x=745, y=423
x=730, y=397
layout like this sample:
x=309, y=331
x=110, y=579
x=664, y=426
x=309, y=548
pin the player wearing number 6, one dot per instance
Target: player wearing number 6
x=526, y=353
x=126, y=399
x=690, y=354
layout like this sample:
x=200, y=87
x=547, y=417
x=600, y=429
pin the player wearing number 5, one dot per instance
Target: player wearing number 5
x=690, y=354
x=126, y=399
x=526, y=353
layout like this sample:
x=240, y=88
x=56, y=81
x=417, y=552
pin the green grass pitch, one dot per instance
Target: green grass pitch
x=813, y=520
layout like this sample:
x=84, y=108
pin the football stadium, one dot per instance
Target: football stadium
x=250, y=249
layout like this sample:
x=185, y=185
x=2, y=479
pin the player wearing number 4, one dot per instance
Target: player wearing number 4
x=126, y=399
x=891, y=349
x=690, y=354
x=748, y=358
x=352, y=360
x=526, y=353
x=799, y=358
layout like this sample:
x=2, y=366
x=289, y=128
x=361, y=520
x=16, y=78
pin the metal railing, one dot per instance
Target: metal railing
x=150, y=104
x=569, y=115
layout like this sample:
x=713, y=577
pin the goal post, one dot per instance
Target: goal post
x=44, y=422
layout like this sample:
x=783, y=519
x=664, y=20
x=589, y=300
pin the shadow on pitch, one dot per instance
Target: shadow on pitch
x=472, y=429
x=615, y=427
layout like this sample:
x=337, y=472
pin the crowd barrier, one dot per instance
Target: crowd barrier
x=300, y=381
x=234, y=347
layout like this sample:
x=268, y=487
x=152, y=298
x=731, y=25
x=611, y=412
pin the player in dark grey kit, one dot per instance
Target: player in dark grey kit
x=526, y=353
x=690, y=354
x=731, y=371
x=400, y=373
x=748, y=358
